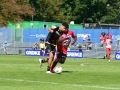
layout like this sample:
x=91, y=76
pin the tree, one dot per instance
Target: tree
x=88, y=11
x=112, y=11
x=14, y=11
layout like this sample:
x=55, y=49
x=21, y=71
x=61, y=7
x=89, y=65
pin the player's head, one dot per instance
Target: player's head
x=107, y=36
x=64, y=27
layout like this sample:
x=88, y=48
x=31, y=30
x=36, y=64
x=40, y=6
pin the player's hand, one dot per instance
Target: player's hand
x=51, y=30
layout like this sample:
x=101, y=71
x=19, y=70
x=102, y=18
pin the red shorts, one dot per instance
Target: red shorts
x=62, y=48
x=108, y=50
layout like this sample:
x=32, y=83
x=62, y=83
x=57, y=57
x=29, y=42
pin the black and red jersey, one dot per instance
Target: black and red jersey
x=53, y=37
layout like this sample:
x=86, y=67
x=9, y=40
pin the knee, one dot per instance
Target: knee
x=61, y=61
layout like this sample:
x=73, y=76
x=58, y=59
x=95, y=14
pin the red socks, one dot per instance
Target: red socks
x=52, y=67
x=108, y=57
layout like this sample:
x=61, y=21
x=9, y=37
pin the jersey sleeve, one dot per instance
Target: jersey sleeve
x=72, y=34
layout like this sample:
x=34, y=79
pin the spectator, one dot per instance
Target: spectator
x=89, y=45
x=84, y=37
x=79, y=47
x=102, y=38
x=110, y=35
x=42, y=40
x=42, y=47
x=108, y=47
x=103, y=34
x=5, y=47
x=34, y=47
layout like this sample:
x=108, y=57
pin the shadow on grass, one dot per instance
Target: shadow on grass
x=68, y=71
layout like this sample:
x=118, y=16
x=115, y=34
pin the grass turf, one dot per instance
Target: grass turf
x=24, y=73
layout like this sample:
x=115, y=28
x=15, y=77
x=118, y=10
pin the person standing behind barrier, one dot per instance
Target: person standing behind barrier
x=79, y=47
x=103, y=33
x=89, y=45
x=84, y=37
x=110, y=35
x=5, y=47
x=108, y=42
x=42, y=46
x=102, y=38
x=34, y=47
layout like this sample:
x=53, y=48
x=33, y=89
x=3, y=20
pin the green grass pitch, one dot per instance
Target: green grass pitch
x=23, y=73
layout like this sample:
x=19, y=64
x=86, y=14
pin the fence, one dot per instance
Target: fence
x=21, y=38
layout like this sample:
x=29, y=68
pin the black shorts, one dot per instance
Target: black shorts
x=61, y=57
x=49, y=48
x=42, y=49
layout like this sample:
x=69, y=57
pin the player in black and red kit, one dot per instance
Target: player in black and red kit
x=51, y=42
x=62, y=46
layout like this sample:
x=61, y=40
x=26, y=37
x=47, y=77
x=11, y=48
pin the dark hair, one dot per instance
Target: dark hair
x=88, y=39
x=65, y=24
x=41, y=39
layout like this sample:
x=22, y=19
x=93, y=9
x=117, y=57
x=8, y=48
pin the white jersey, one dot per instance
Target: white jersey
x=108, y=43
x=84, y=37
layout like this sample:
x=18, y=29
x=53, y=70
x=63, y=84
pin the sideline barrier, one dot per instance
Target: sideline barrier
x=70, y=54
x=117, y=56
x=75, y=54
x=29, y=52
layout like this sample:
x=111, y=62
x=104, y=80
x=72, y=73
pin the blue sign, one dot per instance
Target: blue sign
x=70, y=54
x=117, y=56
x=75, y=54
x=5, y=34
x=33, y=35
x=33, y=52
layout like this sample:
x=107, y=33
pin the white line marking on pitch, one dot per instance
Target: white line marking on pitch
x=20, y=80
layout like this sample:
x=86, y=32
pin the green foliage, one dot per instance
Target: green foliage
x=13, y=11
x=91, y=11
x=88, y=11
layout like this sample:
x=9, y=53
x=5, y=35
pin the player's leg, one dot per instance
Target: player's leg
x=50, y=61
x=60, y=58
x=108, y=53
x=54, y=62
x=63, y=58
x=43, y=61
x=47, y=49
x=51, y=56
x=59, y=55
x=5, y=50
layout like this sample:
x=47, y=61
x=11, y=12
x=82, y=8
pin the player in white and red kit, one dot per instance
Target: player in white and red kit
x=62, y=46
x=108, y=42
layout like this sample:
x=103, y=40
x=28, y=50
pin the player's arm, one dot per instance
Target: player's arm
x=74, y=39
x=51, y=29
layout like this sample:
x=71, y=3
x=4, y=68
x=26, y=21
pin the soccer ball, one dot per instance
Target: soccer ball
x=58, y=69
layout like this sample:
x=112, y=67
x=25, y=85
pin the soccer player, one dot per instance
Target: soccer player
x=108, y=42
x=62, y=46
x=51, y=41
